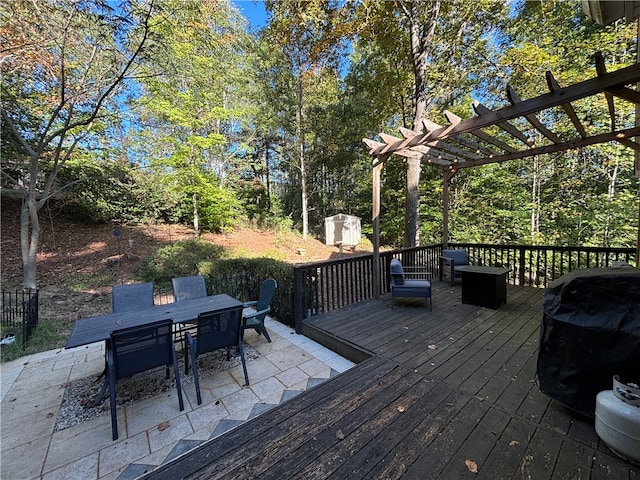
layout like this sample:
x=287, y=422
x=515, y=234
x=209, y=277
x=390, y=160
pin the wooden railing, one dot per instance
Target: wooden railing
x=539, y=265
x=321, y=287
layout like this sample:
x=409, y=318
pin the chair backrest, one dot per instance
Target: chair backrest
x=136, y=296
x=218, y=329
x=459, y=256
x=397, y=273
x=187, y=288
x=267, y=291
x=136, y=349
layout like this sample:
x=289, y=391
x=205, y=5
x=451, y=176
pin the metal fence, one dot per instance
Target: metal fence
x=19, y=313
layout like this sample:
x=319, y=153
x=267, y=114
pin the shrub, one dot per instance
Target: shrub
x=182, y=259
x=239, y=277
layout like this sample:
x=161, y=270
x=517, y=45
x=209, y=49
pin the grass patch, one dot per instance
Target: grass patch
x=45, y=337
x=82, y=282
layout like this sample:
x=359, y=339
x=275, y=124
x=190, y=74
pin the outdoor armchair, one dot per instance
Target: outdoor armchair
x=410, y=282
x=450, y=261
x=137, y=349
x=255, y=319
x=215, y=330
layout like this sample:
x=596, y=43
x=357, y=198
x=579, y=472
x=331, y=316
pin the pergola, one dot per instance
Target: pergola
x=515, y=131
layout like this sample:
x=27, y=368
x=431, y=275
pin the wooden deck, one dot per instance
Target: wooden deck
x=439, y=390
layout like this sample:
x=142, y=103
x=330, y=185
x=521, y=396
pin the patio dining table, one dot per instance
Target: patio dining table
x=99, y=328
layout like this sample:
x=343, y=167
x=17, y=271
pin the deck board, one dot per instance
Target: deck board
x=441, y=387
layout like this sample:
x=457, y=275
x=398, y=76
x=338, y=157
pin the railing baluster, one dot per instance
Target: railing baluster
x=338, y=283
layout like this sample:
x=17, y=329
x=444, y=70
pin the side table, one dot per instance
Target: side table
x=484, y=286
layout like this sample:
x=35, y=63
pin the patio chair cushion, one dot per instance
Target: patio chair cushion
x=397, y=273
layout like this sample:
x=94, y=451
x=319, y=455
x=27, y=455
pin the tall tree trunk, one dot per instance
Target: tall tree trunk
x=266, y=173
x=301, y=159
x=535, y=198
x=421, y=37
x=196, y=216
x=613, y=176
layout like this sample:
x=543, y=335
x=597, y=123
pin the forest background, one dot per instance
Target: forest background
x=172, y=111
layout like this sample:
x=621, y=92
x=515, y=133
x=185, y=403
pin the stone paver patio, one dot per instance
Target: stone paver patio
x=152, y=431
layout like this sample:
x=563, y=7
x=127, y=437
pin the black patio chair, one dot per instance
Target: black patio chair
x=125, y=298
x=214, y=331
x=255, y=320
x=188, y=288
x=135, y=296
x=137, y=349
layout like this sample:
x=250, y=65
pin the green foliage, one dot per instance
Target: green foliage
x=217, y=207
x=238, y=277
x=98, y=191
x=241, y=278
x=182, y=259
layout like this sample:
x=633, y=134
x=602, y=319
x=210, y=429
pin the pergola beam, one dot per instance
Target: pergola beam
x=553, y=85
x=619, y=136
x=456, y=120
x=564, y=95
x=480, y=109
x=513, y=97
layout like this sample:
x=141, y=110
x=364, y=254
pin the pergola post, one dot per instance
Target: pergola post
x=447, y=175
x=445, y=209
x=377, y=170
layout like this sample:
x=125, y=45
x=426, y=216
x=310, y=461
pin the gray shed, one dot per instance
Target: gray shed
x=342, y=230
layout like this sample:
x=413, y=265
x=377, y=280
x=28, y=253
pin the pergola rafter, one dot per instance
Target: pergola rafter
x=465, y=143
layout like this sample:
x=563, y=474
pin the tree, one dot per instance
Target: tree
x=573, y=194
x=446, y=46
x=60, y=78
x=193, y=108
x=309, y=35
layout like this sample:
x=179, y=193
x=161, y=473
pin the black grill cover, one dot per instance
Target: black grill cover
x=590, y=332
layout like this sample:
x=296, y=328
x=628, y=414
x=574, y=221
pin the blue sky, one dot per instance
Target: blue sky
x=253, y=10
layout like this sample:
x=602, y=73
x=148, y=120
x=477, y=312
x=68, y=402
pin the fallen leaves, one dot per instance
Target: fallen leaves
x=471, y=465
x=163, y=426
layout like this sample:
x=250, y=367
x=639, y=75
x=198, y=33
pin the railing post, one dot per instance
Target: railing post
x=521, y=266
x=298, y=297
